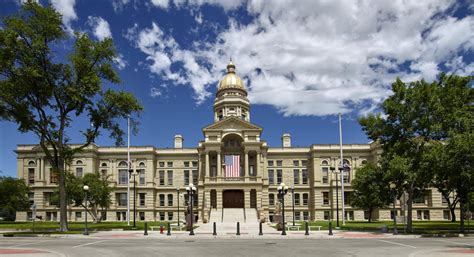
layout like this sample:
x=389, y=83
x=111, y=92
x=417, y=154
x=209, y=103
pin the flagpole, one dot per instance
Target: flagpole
x=128, y=175
x=342, y=171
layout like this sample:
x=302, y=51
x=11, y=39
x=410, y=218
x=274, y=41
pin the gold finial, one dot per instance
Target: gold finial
x=230, y=66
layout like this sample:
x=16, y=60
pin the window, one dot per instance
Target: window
x=349, y=215
x=297, y=199
x=325, y=198
x=79, y=162
x=443, y=200
x=53, y=176
x=213, y=171
x=104, y=165
x=347, y=176
x=446, y=214
x=170, y=178
x=393, y=214
x=271, y=179
x=162, y=177
x=251, y=170
x=279, y=163
x=78, y=215
x=123, y=177
x=297, y=215
x=169, y=164
x=79, y=172
x=103, y=174
x=121, y=215
x=141, y=215
x=304, y=163
x=31, y=198
x=162, y=216
x=186, y=177
x=305, y=176
x=142, y=198
x=195, y=177
x=271, y=199
x=325, y=171
x=31, y=163
x=279, y=176
x=31, y=176
x=170, y=199
x=296, y=176
x=186, y=164
x=195, y=164
x=326, y=215
x=141, y=176
x=170, y=215
x=367, y=214
x=305, y=215
x=420, y=199
x=324, y=163
x=347, y=198
x=123, y=164
x=161, y=164
x=296, y=163
x=162, y=200
x=305, y=199
x=270, y=163
x=29, y=215
x=104, y=215
x=122, y=199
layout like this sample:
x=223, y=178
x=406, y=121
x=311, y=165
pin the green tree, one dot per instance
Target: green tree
x=14, y=197
x=43, y=93
x=371, y=190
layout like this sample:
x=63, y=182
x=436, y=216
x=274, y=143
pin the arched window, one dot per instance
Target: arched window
x=325, y=163
x=31, y=163
x=79, y=162
x=142, y=164
x=364, y=162
x=123, y=164
x=103, y=164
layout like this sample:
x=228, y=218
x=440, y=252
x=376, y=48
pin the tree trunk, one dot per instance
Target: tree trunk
x=409, y=211
x=370, y=215
x=62, y=196
x=453, y=213
x=461, y=227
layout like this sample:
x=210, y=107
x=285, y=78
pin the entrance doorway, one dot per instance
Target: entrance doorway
x=213, y=198
x=233, y=199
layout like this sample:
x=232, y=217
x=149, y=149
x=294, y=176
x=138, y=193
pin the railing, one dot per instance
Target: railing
x=233, y=179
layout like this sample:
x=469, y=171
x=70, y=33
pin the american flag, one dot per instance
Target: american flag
x=232, y=165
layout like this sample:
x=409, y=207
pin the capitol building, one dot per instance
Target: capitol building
x=232, y=167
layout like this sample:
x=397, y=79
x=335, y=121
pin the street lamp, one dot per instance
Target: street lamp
x=333, y=169
x=392, y=188
x=130, y=171
x=293, y=202
x=282, y=191
x=191, y=190
x=86, y=188
x=177, y=192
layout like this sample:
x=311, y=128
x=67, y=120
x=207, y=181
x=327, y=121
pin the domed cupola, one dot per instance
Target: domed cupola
x=231, y=97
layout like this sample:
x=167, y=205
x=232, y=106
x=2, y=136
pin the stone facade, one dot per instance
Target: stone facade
x=162, y=171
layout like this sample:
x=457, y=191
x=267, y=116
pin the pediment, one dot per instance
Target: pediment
x=232, y=123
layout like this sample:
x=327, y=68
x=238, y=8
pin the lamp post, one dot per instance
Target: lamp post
x=293, y=202
x=333, y=169
x=392, y=188
x=331, y=217
x=177, y=192
x=130, y=171
x=86, y=188
x=191, y=190
x=282, y=191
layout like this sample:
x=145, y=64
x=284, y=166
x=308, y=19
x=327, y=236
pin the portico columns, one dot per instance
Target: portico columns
x=257, y=166
x=207, y=165
x=219, y=164
x=246, y=167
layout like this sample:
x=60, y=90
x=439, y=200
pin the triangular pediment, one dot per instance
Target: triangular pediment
x=232, y=123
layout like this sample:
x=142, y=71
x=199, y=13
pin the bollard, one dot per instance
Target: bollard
x=161, y=229
x=330, y=228
x=260, y=232
x=238, y=229
x=214, y=231
x=146, y=229
x=306, y=228
x=169, y=230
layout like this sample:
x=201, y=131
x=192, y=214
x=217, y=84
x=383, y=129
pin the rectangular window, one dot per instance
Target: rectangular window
x=78, y=215
x=161, y=164
x=305, y=176
x=162, y=200
x=29, y=215
x=349, y=215
x=141, y=215
x=162, y=216
x=305, y=215
x=446, y=214
x=366, y=215
x=170, y=178
x=347, y=198
x=271, y=179
x=296, y=163
x=251, y=170
x=326, y=215
x=270, y=163
x=279, y=176
x=162, y=177
x=296, y=176
x=170, y=199
x=279, y=163
x=195, y=177
x=325, y=198
x=170, y=215
x=271, y=199
x=142, y=197
x=297, y=199
x=346, y=177
x=419, y=199
x=305, y=199
x=53, y=176
x=297, y=215
x=325, y=171
x=186, y=164
x=195, y=164
x=123, y=177
x=79, y=172
x=141, y=176
x=31, y=176
x=31, y=198
x=122, y=199
x=393, y=214
x=443, y=200
x=213, y=171
x=304, y=163
x=186, y=177
x=169, y=164
x=104, y=216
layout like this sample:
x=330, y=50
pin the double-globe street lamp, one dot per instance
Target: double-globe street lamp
x=191, y=190
x=282, y=191
x=333, y=169
x=394, y=211
x=130, y=171
x=86, y=189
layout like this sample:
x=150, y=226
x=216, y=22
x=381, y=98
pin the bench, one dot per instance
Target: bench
x=290, y=227
x=173, y=226
x=310, y=227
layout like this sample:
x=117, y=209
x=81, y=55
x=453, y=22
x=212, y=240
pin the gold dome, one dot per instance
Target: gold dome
x=231, y=80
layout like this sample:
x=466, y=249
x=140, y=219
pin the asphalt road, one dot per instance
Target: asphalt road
x=236, y=247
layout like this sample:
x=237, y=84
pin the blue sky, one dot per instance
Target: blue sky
x=302, y=61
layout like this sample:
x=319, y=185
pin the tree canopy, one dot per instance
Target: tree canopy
x=14, y=197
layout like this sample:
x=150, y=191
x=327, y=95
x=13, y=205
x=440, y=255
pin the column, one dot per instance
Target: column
x=257, y=166
x=206, y=172
x=219, y=164
x=247, y=198
x=219, y=197
x=246, y=164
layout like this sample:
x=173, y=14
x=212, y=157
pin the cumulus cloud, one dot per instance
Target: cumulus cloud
x=66, y=8
x=155, y=92
x=100, y=27
x=316, y=57
x=120, y=62
x=119, y=4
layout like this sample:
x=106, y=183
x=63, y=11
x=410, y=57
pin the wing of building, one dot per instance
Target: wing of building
x=232, y=168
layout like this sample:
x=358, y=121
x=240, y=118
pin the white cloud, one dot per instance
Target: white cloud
x=161, y=3
x=155, y=92
x=317, y=57
x=119, y=4
x=100, y=27
x=66, y=8
x=120, y=62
